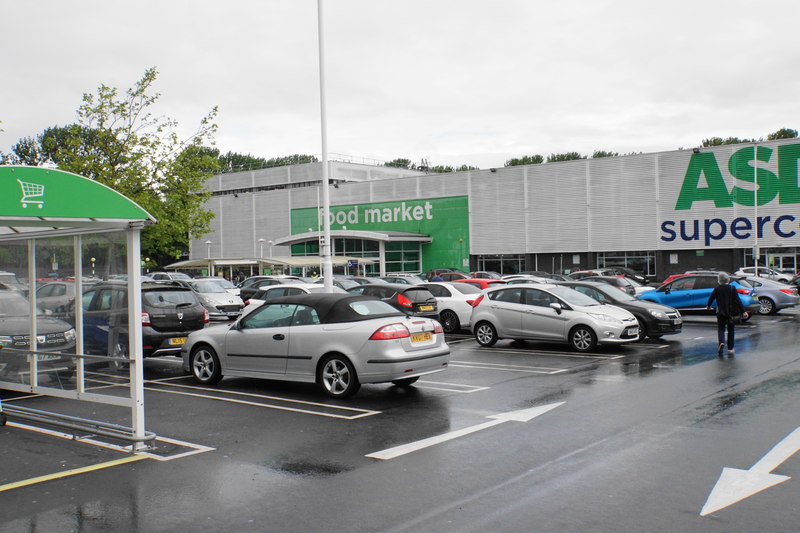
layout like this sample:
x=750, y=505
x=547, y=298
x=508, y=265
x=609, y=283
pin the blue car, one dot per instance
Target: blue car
x=691, y=293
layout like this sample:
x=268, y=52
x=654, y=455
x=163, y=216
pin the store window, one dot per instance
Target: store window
x=502, y=264
x=403, y=257
x=644, y=262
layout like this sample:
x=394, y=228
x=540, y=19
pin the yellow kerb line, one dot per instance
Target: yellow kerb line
x=73, y=472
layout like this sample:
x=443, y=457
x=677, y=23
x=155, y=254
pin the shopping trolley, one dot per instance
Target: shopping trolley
x=31, y=190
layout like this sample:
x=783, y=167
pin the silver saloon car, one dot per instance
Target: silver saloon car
x=338, y=341
x=552, y=314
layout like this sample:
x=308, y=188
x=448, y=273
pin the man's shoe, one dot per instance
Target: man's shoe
x=730, y=352
x=720, y=348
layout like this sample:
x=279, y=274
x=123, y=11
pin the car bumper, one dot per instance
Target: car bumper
x=413, y=364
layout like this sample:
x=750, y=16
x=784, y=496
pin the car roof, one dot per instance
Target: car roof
x=332, y=307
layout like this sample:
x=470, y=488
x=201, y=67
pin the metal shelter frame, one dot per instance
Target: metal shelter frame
x=67, y=205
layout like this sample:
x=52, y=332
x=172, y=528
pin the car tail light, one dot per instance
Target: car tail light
x=787, y=291
x=471, y=303
x=475, y=303
x=437, y=328
x=404, y=301
x=392, y=331
x=205, y=316
x=145, y=319
x=247, y=302
x=743, y=291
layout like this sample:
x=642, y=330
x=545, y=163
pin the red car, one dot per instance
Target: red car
x=481, y=283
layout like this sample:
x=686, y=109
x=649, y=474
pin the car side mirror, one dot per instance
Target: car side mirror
x=556, y=307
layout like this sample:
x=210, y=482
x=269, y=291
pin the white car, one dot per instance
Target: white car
x=550, y=313
x=219, y=303
x=764, y=272
x=337, y=341
x=454, y=301
x=287, y=289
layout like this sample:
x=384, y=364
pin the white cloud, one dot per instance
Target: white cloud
x=456, y=81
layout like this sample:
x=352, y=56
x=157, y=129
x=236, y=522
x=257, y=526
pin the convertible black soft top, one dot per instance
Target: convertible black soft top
x=335, y=307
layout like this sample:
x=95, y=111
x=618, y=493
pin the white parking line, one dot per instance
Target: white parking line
x=552, y=354
x=507, y=368
x=361, y=413
x=451, y=387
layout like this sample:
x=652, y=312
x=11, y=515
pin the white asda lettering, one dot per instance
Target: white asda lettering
x=401, y=213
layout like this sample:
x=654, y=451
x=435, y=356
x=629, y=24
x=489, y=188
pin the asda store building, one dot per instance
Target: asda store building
x=659, y=213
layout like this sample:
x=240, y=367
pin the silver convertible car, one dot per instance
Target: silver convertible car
x=338, y=341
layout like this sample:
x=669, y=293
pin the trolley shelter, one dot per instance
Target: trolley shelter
x=60, y=233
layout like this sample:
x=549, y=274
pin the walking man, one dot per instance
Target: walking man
x=729, y=308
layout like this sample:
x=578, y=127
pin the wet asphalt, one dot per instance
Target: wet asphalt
x=632, y=438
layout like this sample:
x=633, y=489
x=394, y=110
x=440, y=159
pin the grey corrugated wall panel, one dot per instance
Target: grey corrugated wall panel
x=556, y=198
x=622, y=206
x=497, y=211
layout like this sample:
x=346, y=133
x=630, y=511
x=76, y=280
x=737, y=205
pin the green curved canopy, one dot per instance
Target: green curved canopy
x=36, y=197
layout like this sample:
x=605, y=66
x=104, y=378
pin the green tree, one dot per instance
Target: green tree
x=569, y=156
x=400, y=163
x=603, y=153
x=525, y=160
x=118, y=142
x=719, y=141
x=783, y=133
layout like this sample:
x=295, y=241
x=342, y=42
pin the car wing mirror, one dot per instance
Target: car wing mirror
x=556, y=307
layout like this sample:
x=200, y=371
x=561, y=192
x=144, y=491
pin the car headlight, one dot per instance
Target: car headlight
x=70, y=335
x=605, y=318
x=657, y=313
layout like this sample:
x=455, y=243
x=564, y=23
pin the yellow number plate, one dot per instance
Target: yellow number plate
x=426, y=308
x=177, y=341
x=419, y=337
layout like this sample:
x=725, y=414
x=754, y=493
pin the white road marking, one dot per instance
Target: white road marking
x=507, y=368
x=452, y=387
x=361, y=413
x=734, y=485
x=523, y=415
x=551, y=354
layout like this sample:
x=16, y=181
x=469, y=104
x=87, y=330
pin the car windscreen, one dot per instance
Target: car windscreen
x=617, y=295
x=573, y=297
x=168, y=299
x=418, y=295
x=224, y=283
x=206, y=286
x=374, y=308
x=743, y=282
x=322, y=289
x=466, y=288
x=14, y=305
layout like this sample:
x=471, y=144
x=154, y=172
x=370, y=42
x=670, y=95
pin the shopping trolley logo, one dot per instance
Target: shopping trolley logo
x=32, y=193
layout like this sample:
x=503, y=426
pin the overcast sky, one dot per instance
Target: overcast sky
x=454, y=81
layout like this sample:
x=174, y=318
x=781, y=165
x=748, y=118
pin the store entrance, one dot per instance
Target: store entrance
x=782, y=261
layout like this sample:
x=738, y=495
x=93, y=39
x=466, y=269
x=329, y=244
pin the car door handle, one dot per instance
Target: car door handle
x=278, y=336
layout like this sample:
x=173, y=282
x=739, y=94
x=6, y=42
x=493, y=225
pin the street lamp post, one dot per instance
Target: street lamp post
x=270, y=248
x=261, y=248
x=208, y=252
x=92, y=260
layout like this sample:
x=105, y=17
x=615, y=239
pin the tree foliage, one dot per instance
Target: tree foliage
x=525, y=160
x=568, y=156
x=783, y=133
x=603, y=153
x=236, y=162
x=118, y=142
x=400, y=163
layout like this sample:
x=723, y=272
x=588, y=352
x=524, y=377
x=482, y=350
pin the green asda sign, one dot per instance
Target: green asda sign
x=445, y=220
x=38, y=193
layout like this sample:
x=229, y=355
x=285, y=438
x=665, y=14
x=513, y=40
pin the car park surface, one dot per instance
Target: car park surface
x=637, y=440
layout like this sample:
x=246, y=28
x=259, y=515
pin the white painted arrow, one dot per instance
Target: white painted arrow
x=735, y=485
x=523, y=415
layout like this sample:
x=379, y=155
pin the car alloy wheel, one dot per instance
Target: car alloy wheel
x=582, y=338
x=765, y=306
x=337, y=377
x=485, y=334
x=450, y=322
x=205, y=365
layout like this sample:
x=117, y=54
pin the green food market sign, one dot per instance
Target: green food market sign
x=444, y=220
x=38, y=193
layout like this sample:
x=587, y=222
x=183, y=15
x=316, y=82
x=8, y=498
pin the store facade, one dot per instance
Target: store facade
x=659, y=213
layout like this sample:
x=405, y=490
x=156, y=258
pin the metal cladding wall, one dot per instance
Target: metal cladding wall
x=679, y=200
x=632, y=202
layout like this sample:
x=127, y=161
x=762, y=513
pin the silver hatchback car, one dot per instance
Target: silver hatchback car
x=338, y=341
x=549, y=313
